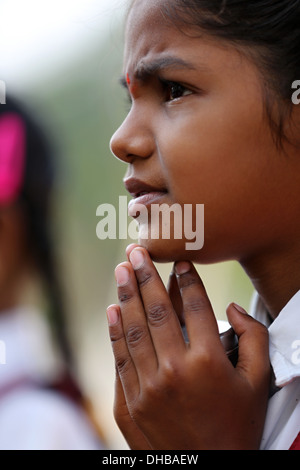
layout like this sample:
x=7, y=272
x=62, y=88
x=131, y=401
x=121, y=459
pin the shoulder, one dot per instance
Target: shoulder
x=32, y=418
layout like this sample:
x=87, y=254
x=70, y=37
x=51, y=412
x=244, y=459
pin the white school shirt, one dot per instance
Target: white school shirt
x=32, y=417
x=282, y=425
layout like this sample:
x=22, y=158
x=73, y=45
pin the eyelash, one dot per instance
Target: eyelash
x=170, y=88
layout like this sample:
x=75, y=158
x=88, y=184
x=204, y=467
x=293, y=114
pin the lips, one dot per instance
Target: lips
x=142, y=193
x=138, y=188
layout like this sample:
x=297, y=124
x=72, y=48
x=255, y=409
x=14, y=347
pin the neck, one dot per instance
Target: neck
x=275, y=276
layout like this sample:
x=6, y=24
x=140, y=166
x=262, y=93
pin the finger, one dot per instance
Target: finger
x=133, y=435
x=130, y=248
x=137, y=335
x=175, y=296
x=172, y=287
x=124, y=364
x=253, y=360
x=163, y=322
x=201, y=324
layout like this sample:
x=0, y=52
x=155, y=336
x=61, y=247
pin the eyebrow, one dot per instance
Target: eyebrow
x=145, y=70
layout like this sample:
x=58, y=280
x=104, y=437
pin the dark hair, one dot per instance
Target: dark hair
x=35, y=199
x=269, y=30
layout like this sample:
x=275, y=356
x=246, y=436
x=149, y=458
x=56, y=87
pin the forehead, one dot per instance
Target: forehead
x=150, y=37
x=152, y=42
x=148, y=32
x=145, y=14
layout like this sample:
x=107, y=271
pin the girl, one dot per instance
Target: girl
x=41, y=407
x=211, y=122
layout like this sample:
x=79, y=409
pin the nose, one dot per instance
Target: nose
x=133, y=139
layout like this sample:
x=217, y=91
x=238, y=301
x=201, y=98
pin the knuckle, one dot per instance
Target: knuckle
x=125, y=295
x=144, y=277
x=172, y=373
x=169, y=377
x=116, y=335
x=135, y=335
x=153, y=392
x=157, y=314
x=188, y=280
x=150, y=390
x=139, y=412
x=166, y=385
x=123, y=364
x=203, y=360
x=195, y=304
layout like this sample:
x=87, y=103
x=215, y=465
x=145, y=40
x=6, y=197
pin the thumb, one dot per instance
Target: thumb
x=253, y=360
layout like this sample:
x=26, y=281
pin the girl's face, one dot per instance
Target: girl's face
x=197, y=134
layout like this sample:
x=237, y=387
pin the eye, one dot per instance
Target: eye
x=175, y=91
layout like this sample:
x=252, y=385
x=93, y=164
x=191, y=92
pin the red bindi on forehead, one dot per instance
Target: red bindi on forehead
x=133, y=87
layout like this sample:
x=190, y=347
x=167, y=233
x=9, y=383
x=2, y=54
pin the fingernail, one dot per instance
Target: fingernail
x=240, y=309
x=182, y=267
x=122, y=275
x=137, y=259
x=112, y=315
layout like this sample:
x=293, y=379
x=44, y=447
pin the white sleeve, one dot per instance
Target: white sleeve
x=42, y=420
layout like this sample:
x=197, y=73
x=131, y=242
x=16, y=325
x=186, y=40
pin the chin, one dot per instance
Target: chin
x=167, y=251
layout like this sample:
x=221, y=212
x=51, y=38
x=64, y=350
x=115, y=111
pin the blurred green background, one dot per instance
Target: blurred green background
x=79, y=99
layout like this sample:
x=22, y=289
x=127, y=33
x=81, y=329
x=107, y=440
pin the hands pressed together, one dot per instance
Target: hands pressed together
x=173, y=395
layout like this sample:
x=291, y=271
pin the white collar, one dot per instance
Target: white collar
x=29, y=351
x=284, y=334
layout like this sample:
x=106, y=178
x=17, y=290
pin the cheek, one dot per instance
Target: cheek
x=219, y=162
x=204, y=155
x=221, y=154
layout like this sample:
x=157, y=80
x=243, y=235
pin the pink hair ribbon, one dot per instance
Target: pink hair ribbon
x=12, y=157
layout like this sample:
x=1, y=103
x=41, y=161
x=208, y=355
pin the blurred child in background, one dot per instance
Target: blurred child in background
x=41, y=406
